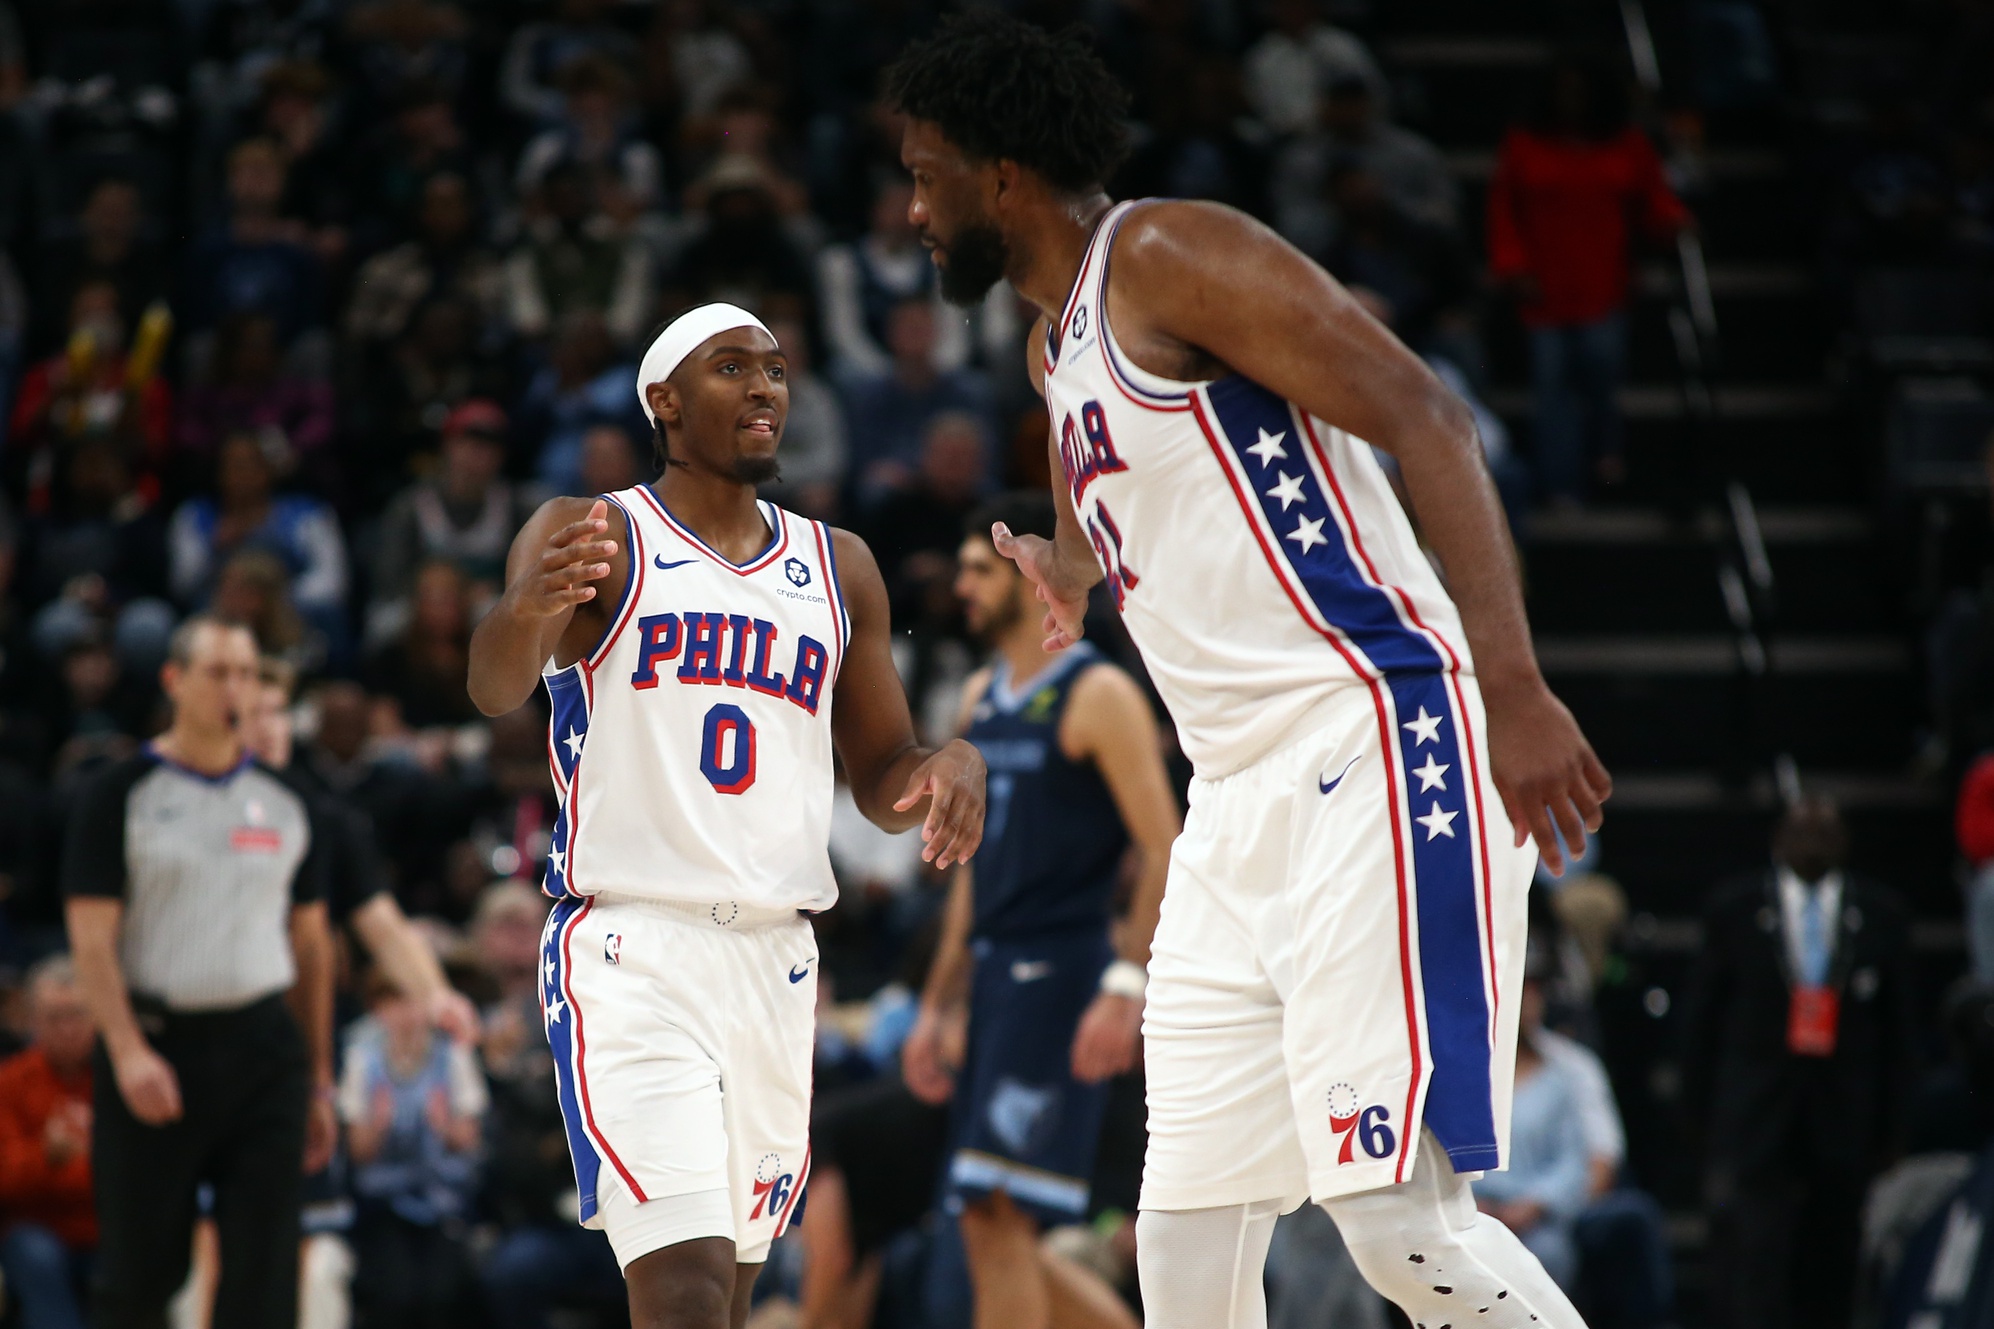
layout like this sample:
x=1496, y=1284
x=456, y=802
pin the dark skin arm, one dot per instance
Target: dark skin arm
x=891, y=775
x=566, y=570
x=1188, y=276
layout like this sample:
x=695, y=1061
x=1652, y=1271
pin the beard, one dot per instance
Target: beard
x=1000, y=620
x=757, y=470
x=977, y=259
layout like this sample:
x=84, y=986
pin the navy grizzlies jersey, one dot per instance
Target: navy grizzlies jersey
x=1052, y=839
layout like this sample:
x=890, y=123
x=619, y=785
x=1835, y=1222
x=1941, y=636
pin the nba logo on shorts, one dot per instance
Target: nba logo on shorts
x=612, y=948
x=1359, y=1125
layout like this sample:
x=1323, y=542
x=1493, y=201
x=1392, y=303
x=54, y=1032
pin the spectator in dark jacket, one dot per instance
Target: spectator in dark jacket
x=1799, y=1031
x=256, y=259
x=467, y=514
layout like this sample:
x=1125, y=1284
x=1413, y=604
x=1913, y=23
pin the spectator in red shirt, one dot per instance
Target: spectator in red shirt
x=1569, y=189
x=48, y=1223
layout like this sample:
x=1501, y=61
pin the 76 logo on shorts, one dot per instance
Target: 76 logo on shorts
x=772, y=1187
x=1358, y=1125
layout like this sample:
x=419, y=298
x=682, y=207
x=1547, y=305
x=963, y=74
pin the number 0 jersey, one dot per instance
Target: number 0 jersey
x=1258, y=556
x=691, y=748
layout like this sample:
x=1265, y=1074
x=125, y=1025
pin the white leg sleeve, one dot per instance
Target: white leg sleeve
x=1423, y=1245
x=1202, y=1268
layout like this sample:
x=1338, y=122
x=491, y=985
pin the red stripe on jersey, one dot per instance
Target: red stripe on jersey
x=581, y=1048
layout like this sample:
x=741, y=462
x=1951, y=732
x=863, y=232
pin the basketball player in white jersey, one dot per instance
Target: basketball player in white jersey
x=704, y=653
x=1333, y=988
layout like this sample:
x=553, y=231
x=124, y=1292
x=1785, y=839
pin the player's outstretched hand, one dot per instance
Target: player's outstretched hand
x=1544, y=769
x=575, y=556
x=932, y=1054
x=1065, y=603
x=952, y=779
x=1110, y=1033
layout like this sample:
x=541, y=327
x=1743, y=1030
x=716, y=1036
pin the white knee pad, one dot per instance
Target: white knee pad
x=1202, y=1268
x=1424, y=1246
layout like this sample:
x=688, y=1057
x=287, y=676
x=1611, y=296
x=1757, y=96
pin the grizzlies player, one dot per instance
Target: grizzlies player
x=704, y=651
x=1076, y=773
x=1333, y=990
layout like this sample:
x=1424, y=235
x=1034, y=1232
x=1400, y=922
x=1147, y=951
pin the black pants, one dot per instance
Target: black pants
x=1784, y=1250
x=411, y=1276
x=244, y=1085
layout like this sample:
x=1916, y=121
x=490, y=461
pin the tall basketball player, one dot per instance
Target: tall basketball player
x=704, y=652
x=1333, y=988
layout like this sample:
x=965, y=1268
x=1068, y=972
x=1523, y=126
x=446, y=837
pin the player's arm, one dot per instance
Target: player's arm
x=1109, y=722
x=411, y=965
x=934, y=1049
x=565, y=569
x=1064, y=568
x=310, y=999
x=896, y=782
x=1221, y=284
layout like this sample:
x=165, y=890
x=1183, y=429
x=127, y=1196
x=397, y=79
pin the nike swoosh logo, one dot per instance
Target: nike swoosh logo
x=1327, y=785
x=798, y=974
x=662, y=566
x=1029, y=971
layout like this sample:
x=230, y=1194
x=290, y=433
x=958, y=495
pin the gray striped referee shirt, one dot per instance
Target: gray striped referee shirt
x=209, y=868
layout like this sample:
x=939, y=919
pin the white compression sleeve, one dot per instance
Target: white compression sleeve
x=1202, y=1268
x=1424, y=1245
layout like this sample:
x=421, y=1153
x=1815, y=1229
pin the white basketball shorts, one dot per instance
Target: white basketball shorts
x=682, y=1038
x=1339, y=959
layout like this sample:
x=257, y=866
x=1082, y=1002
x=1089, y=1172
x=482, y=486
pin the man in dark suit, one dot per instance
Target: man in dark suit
x=1797, y=1065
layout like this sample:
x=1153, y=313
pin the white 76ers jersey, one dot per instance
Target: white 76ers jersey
x=1258, y=556
x=692, y=747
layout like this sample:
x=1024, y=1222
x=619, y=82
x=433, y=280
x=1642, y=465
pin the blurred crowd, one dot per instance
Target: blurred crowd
x=305, y=305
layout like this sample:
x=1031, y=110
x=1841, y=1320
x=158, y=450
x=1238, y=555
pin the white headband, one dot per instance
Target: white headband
x=682, y=338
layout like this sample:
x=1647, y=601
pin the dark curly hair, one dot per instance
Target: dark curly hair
x=1002, y=89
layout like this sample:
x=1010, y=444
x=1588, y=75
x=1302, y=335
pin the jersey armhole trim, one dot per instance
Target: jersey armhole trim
x=1174, y=397
x=841, y=621
x=633, y=589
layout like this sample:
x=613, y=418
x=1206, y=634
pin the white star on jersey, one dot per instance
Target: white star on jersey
x=1433, y=775
x=1309, y=533
x=1269, y=447
x=550, y=973
x=1288, y=491
x=1425, y=728
x=554, y=1009
x=1438, y=823
x=559, y=858
x=574, y=742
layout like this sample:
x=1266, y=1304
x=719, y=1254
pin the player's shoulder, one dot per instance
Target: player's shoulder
x=1101, y=680
x=1105, y=703
x=1172, y=233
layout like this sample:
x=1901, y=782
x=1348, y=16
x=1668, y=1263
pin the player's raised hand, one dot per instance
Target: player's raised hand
x=1065, y=602
x=1108, y=1038
x=1544, y=769
x=575, y=556
x=952, y=779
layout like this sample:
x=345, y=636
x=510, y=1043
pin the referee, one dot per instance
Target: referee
x=198, y=925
